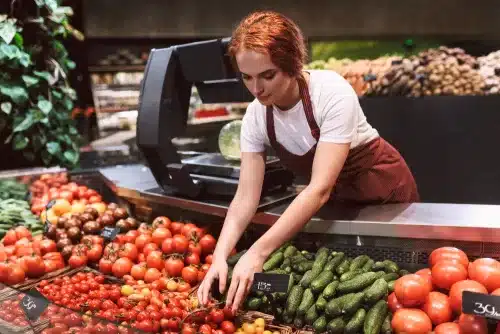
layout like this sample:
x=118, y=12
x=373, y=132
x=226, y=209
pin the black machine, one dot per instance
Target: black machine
x=163, y=110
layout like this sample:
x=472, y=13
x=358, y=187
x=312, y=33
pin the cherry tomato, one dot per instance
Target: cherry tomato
x=458, y=288
x=411, y=290
x=446, y=273
x=411, y=321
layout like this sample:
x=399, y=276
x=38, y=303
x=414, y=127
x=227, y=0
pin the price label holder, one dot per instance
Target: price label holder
x=369, y=77
x=109, y=233
x=33, y=304
x=46, y=227
x=269, y=284
x=486, y=306
x=50, y=204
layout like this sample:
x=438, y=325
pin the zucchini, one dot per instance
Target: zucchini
x=375, y=318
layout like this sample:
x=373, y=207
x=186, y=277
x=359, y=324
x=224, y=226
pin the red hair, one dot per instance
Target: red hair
x=272, y=33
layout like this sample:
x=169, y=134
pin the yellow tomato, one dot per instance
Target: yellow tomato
x=61, y=207
x=172, y=285
x=100, y=207
x=127, y=290
x=268, y=332
x=77, y=207
x=276, y=332
x=249, y=328
x=259, y=330
x=260, y=322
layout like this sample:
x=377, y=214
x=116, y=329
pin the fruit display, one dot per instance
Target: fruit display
x=489, y=67
x=431, y=299
x=440, y=71
x=328, y=291
x=12, y=189
x=257, y=326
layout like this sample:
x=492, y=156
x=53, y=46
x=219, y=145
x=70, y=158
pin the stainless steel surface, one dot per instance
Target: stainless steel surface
x=460, y=222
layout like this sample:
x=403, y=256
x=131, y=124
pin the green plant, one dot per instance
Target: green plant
x=36, y=99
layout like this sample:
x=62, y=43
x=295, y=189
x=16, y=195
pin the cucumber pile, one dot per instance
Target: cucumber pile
x=11, y=189
x=330, y=292
x=15, y=212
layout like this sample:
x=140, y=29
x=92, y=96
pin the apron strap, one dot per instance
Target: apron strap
x=308, y=110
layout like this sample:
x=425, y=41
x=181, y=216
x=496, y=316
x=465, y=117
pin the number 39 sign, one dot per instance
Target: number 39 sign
x=482, y=305
x=33, y=304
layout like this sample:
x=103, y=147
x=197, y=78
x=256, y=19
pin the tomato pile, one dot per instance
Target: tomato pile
x=148, y=307
x=165, y=249
x=432, y=297
x=24, y=256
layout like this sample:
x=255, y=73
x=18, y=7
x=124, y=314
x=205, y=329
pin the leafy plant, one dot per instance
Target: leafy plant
x=36, y=99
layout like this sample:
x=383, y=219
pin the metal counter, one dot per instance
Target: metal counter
x=460, y=222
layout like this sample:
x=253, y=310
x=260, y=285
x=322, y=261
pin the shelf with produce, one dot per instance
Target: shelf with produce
x=117, y=68
x=374, y=270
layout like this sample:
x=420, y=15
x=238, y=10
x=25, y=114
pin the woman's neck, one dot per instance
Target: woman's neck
x=292, y=96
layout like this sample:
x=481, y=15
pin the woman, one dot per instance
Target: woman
x=313, y=121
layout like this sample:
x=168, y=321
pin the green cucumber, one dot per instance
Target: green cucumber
x=375, y=318
x=253, y=303
x=377, y=266
x=356, y=323
x=298, y=322
x=336, y=326
x=321, y=303
x=368, y=265
x=290, y=251
x=390, y=277
x=293, y=300
x=350, y=275
x=335, y=306
x=376, y=291
x=273, y=262
x=353, y=304
x=311, y=315
x=343, y=267
x=390, y=286
x=358, y=283
x=334, y=263
x=390, y=266
x=330, y=290
x=386, y=325
x=306, y=303
x=319, y=325
x=358, y=262
x=321, y=281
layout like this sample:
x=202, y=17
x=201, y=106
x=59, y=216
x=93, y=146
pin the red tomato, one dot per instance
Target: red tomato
x=155, y=260
x=472, y=325
x=15, y=274
x=167, y=246
x=35, y=267
x=458, y=288
x=192, y=258
x=142, y=240
x=446, y=273
x=208, y=243
x=22, y=232
x=190, y=274
x=194, y=248
x=47, y=246
x=411, y=290
x=228, y=327
x=496, y=292
x=183, y=287
x=174, y=266
x=411, y=321
x=138, y=271
x=149, y=248
x=181, y=243
x=447, y=328
x=393, y=303
x=425, y=273
x=10, y=238
x=129, y=250
x=94, y=254
x=438, y=308
x=205, y=329
x=160, y=234
x=448, y=253
x=161, y=221
x=208, y=259
x=76, y=261
x=105, y=265
x=216, y=315
x=151, y=275
x=176, y=227
x=487, y=272
x=66, y=194
x=121, y=267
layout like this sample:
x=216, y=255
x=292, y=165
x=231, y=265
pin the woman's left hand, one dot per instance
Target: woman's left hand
x=249, y=264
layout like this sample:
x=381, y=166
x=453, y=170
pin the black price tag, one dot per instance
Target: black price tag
x=46, y=227
x=50, y=204
x=33, y=304
x=397, y=62
x=270, y=282
x=480, y=304
x=109, y=233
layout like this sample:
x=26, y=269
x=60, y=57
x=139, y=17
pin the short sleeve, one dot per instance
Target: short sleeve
x=251, y=139
x=339, y=117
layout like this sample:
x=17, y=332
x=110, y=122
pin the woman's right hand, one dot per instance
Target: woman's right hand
x=218, y=270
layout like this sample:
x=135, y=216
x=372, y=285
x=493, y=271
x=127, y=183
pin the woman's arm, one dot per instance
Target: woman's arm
x=328, y=162
x=241, y=211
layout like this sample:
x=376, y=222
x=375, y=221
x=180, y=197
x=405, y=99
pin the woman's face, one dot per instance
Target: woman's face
x=262, y=78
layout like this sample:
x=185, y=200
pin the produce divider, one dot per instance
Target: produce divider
x=146, y=277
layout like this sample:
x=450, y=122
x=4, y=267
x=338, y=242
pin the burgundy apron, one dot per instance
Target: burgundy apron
x=373, y=173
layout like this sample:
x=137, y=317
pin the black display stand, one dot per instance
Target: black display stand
x=449, y=142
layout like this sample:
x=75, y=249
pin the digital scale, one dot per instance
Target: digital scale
x=169, y=76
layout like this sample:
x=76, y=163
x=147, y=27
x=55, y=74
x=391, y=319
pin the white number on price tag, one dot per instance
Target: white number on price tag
x=29, y=303
x=485, y=309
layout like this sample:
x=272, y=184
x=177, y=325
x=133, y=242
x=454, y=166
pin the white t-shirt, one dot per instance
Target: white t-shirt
x=336, y=109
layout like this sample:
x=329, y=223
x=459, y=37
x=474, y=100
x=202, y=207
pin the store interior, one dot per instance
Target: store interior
x=120, y=126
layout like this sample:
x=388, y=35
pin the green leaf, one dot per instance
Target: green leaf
x=46, y=157
x=68, y=104
x=53, y=147
x=25, y=124
x=40, y=3
x=20, y=142
x=71, y=156
x=45, y=106
x=8, y=30
x=56, y=94
x=70, y=64
x=44, y=75
x=10, y=51
x=69, y=91
x=30, y=81
x=57, y=18
x=30, y=156
x=52, y=4
x=73, y=130
x=64, y=10
x=19, y=40
x=17, y=93
x=25, y=59
x=6, y=107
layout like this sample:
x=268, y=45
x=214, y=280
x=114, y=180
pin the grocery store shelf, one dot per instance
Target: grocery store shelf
x=117, y=68
x=462, y=222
